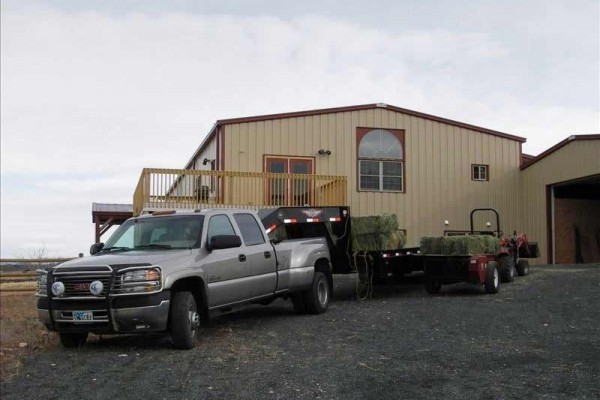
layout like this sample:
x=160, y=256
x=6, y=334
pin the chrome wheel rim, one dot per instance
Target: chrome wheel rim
x=194, y=319
x=322, y=292
x=495, y=277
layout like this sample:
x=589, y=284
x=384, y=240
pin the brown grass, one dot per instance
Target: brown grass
x=19, y=324
x=18, y=285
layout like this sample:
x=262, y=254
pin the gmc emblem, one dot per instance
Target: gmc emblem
x=81, y=287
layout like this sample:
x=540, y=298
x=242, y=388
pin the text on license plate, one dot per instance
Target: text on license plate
x=83, y=316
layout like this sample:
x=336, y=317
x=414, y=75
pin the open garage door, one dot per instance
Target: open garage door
x=574, y=210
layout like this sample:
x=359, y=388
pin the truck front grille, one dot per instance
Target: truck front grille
x=77, y=281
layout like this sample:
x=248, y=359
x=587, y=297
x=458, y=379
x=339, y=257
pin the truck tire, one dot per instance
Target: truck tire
x=432, y=287
x=317, y=297
x=185, y=320
x=72, y=339
x=507, y=269
x=492, y=279
x=523, y=267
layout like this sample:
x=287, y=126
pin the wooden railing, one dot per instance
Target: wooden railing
x=166, y=189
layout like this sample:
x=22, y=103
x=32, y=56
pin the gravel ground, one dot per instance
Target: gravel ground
x=538, y=338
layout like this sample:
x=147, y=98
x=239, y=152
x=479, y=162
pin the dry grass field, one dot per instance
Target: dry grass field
x=20, y=331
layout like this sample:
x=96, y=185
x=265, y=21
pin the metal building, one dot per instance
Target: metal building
x=376, y=158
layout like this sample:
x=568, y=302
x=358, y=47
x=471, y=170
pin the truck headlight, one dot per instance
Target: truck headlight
x=42, y=283
x=139, y=280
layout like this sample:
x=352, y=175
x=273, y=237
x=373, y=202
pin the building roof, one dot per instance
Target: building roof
x=334, y=110
x=369, y=107
x=525, y=158
x=106, y=207
x=557, y=147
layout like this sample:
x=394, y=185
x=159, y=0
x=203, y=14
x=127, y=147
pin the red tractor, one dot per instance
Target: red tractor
x=483, y=269
x=514, y=250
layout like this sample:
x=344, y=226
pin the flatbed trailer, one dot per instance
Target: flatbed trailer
x=483, y=269
x=443, y=269
x=387, y=265
x=334, y=224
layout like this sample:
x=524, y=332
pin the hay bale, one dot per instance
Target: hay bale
x=373, y=233
x=460, y=245
x=397, y=240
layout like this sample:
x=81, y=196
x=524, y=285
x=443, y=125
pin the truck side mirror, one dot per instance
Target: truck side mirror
x=96, y=247
x=223, y=242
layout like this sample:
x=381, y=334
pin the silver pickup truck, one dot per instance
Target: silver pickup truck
x=171, y=271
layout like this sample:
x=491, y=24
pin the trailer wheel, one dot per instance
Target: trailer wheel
x=185, y=320
x=492, y=279
x=507, y=270
x=523, y=267
x=71, y=340
x=432, y=287
x=317, y=297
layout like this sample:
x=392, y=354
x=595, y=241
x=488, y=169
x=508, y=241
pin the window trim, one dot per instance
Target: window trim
x=381, y=176
x=235, y=232
x=289, y=159
x=262, y=232
x=487, y=172
x=361, y=132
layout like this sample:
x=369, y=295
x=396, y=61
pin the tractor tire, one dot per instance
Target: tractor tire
x=507, y=268
x=185, y=320
x=432, y=287
x=72, y=340
x=492, y=279
x=317, y=297
x=523, y=267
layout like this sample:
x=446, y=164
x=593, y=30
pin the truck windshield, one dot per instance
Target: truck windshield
x=173, y=232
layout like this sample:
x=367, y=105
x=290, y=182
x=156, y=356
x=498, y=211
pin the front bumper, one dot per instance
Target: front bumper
x=118, y=314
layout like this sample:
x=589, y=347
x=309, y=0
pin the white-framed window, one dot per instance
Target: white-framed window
x=383, y=176
x=380, y=160
x=479, y=172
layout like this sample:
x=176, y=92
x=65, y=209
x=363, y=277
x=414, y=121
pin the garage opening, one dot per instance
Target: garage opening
x=576, y=221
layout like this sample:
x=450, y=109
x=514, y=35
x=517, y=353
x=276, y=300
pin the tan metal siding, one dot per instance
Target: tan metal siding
x=438, y=160
x=210, y=152
x=577, y=159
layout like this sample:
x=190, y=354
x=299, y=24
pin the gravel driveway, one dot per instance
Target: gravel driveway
x=538, y=338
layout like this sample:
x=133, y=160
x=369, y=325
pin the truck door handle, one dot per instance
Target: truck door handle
x=267, y=254
x=242, y=257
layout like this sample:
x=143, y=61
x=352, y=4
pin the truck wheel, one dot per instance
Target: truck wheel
x=507, y=269
x=432, y=287
x=523, y=267
x=317, y=297
x=185, y=320
x=72, y=340
x=492, y=279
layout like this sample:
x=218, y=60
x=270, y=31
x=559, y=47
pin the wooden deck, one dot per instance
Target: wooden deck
x=168, y=189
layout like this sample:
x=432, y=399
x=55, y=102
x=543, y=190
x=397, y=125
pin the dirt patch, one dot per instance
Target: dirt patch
x=21, y=333
x=538, y=338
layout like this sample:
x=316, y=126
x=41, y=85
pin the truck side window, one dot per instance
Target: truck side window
x=219, y=225
x=251, y=232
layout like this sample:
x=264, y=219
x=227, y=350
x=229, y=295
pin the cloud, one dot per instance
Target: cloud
x=102, y=96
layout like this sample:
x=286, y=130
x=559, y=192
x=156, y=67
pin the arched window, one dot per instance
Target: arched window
x=381, y=160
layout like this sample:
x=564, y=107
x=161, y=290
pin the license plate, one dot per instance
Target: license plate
x=83, y=316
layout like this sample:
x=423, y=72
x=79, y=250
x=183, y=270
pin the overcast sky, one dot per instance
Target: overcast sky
x=92, y=92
